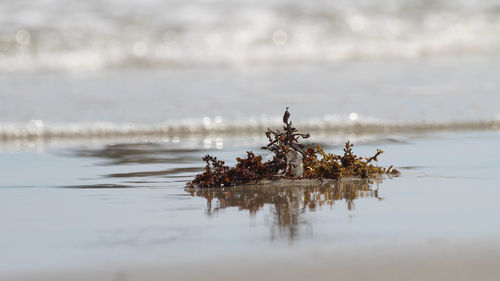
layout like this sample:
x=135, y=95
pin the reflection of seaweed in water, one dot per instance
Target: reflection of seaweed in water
x=289, y=200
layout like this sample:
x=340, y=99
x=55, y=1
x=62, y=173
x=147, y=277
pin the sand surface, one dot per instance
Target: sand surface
x=436, y=260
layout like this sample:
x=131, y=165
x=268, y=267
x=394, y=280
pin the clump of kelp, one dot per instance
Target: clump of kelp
x=292, y=160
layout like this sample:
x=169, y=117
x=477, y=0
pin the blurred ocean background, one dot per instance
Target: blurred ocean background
x=164, y=67
x=51, y=35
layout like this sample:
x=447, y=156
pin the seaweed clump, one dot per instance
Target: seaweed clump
x=291, y=159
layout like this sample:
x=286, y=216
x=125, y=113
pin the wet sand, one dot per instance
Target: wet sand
x=435, y=260
x=121, y=212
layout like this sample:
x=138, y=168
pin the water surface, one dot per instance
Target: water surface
x=118, y=204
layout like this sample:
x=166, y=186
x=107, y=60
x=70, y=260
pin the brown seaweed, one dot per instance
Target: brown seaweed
x=314, y=163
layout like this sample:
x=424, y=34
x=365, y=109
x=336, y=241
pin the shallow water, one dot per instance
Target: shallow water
x=61, y=208
x=431, y=89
